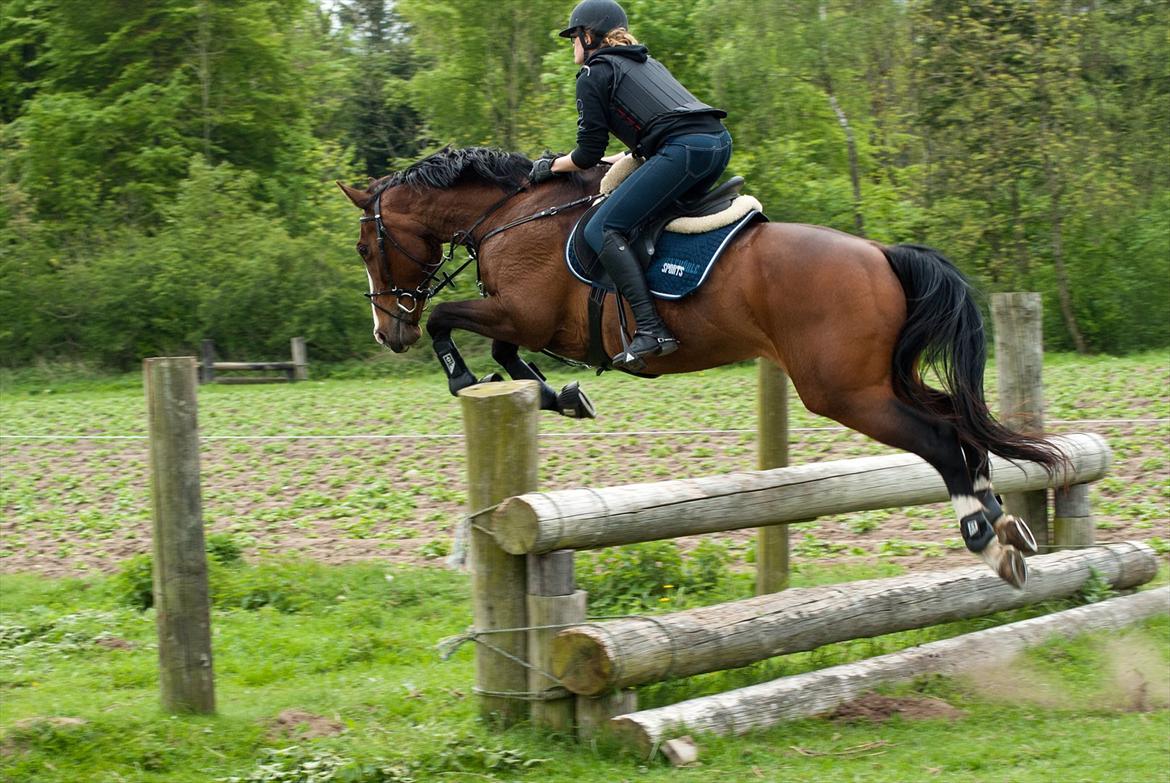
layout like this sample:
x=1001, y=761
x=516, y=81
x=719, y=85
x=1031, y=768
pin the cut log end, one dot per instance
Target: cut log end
x=516, y=526
x=581, y=661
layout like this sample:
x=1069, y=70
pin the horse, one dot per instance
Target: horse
x=852, y=322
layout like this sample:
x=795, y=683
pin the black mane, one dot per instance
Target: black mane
x=446, y=167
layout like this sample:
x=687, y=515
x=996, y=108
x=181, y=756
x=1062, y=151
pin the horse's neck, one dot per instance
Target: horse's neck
x=448, y=212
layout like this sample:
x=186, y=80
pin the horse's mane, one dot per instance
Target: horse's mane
x=446, y=167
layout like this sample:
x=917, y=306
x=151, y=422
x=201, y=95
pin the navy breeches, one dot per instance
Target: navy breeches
x=684, y=166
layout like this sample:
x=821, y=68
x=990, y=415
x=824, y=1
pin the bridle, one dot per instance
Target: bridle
x=436, y=277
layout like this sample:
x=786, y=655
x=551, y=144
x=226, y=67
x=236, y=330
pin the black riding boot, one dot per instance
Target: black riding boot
x=651, y=337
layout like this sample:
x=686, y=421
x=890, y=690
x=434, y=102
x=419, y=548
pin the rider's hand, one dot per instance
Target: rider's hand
x=542, y=171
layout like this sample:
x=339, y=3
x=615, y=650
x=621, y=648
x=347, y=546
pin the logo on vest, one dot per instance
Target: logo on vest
x=675, y=270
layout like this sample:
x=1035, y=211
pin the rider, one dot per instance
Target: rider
x=624, y=91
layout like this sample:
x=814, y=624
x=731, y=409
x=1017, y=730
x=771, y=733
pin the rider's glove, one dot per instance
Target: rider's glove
x=542, y=171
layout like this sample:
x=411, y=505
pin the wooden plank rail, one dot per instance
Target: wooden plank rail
x=594, y=658
x=295, y=370
x=540, y=522
x=816, y=693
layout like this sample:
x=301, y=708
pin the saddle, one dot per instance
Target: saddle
x=677, y=249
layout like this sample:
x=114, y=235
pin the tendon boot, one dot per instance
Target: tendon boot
x=651, y=337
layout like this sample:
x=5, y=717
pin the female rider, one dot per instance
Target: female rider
x=624, y=91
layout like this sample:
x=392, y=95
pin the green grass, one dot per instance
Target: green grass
x=359, y=651
x=351, y=645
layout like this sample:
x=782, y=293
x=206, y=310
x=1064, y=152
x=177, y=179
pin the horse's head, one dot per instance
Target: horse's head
x=401, y=261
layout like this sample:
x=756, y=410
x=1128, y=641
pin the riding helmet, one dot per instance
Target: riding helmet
x=597, y=16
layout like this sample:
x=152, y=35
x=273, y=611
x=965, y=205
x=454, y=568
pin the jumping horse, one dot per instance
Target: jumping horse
x=851, y=321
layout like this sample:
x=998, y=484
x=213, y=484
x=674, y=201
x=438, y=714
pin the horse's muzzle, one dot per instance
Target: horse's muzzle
x=399, y=337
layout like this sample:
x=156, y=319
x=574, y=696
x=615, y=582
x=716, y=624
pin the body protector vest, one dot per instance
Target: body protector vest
x=645, y=95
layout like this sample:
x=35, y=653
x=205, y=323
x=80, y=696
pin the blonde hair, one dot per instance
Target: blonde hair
x=619, y=37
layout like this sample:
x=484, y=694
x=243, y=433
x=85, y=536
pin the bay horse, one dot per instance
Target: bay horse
x=851, y=321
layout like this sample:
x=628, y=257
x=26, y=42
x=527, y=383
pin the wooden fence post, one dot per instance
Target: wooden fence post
x=182, y=607
x=553, y=600
x=500, y=422
x=207, y=367
x=772, y=452
x=300, y=360
x=1019, y=359
x=1072, y=522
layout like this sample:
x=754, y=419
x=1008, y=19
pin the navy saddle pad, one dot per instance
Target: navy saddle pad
x=677, y=266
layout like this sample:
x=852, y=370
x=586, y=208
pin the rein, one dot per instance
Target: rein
x=466, y=239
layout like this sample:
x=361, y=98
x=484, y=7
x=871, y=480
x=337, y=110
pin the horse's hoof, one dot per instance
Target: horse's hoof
x=1014, y=531
x=573, y=403
x=1007, y=562
x=491, y=377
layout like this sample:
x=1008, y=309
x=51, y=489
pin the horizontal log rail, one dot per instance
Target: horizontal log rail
x=819, y=692
x=591, y=659
x=540, y=522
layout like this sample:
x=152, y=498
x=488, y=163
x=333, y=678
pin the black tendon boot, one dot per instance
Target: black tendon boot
x=651, y=337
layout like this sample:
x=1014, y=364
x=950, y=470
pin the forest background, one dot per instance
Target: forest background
x=167, y=167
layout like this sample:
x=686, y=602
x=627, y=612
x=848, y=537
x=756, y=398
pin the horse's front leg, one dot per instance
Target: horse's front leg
x=446, y=317
x=487, y=317
x=569, y=401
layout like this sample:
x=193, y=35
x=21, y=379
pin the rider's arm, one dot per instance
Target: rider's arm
x=592, y=117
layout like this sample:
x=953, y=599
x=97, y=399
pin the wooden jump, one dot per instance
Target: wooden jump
x=819, y=692
x=539, y=522
x=598, y=657
x=295, y=370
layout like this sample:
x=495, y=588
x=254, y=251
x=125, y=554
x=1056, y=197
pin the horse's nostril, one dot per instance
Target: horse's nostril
x=379, y=337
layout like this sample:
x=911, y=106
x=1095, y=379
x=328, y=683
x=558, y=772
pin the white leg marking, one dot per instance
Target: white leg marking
x=982, y=483
x=965, y=504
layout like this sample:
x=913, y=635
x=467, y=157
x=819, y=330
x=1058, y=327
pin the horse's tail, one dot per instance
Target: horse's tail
x=944, y=329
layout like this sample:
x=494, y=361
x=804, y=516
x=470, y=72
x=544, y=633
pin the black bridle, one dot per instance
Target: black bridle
x=436, y=277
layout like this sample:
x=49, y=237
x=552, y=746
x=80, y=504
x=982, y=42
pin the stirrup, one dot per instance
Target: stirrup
x=634, y=360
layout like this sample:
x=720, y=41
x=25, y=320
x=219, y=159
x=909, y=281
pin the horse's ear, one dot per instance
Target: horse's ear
x=359, y=197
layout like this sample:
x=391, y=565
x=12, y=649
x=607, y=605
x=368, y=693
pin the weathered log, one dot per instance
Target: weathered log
x=591, y=659
x=500, y=422
x=815, y=693
x=181, y=594
x=539, y=522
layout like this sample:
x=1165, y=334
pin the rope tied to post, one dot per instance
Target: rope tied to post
x=448, y=646
x=457, y=560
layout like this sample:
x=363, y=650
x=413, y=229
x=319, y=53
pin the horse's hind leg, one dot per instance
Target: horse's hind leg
x=882, y=416
x=1009, y=529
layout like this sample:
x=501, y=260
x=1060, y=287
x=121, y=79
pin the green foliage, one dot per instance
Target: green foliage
x=133, y=585
x=651, y=576
x=167, y=169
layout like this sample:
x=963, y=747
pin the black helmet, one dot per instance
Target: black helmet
x=599, y=17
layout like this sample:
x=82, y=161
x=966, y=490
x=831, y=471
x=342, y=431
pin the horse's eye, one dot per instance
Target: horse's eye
x=362, y=250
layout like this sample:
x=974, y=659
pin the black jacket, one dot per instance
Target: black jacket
x=623, y=91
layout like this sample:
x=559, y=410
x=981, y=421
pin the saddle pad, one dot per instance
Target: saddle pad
x=680, y=264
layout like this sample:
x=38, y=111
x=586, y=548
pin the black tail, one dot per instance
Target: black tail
x=944, y=329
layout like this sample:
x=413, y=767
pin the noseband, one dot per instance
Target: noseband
x=436, y=278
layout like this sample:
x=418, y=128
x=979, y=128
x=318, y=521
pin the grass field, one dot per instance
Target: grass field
x=325, y=638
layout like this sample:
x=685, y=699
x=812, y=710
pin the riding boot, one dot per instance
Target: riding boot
x=651, y=337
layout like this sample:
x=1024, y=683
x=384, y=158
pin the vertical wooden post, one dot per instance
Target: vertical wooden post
x=594, y=714
x=772, y=424
x=499, y=420
x=1072, y=523
x=553, y=600
x=207, y=367
x=300, y=359
x=1019, y=359
x=182, y=607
